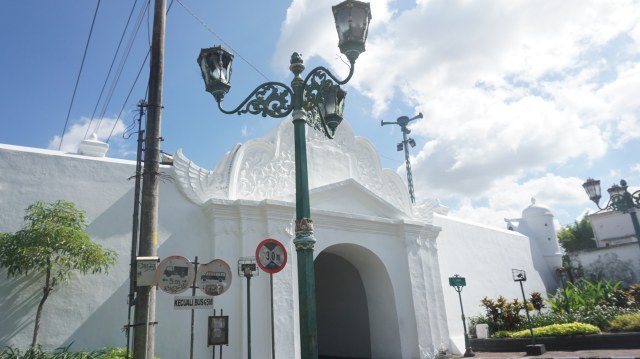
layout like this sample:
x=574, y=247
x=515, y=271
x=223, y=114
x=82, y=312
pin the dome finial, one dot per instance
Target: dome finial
x=533, y=201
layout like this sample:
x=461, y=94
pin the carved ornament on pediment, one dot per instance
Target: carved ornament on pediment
x=265, y=169
x=199, y=184
x=265, y=174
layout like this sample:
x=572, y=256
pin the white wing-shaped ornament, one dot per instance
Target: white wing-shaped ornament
x=199, y=184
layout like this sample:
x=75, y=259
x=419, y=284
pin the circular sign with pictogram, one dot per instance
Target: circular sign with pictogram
x=271, y=256
x=214, y=278
x=175, y=274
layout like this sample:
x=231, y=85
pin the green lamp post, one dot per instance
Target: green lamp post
x=316, y=100
x=620, y=200
x=458, y=282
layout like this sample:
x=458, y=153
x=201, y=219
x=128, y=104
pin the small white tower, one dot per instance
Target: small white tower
x=538, y=224
x=93, y=147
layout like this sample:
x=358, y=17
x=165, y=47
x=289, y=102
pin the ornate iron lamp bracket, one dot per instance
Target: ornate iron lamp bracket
x=316, y=85
x=271, y=99
x=624, y=202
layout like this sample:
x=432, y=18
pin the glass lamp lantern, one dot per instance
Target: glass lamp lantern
x=616, y=190
x=215, y=65
x=332, y=107
x=592, y=187
x=352, y=23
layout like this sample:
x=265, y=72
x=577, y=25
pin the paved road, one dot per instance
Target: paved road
x=591, y=354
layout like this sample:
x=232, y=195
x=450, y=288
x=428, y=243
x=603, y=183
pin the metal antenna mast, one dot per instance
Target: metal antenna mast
x=403, y=121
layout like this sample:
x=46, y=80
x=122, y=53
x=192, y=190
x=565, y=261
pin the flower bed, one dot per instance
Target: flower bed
x=563, y=343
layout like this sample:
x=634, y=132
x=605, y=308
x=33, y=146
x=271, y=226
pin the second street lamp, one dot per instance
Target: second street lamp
x=620, y=200
x=316, y=100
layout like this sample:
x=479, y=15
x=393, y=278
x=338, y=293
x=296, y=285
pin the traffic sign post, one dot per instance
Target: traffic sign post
x=271, y=256
x=214, y=278
x=175, y=274
x=247, y=268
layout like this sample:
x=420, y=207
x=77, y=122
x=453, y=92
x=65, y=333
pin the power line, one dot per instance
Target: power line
x=86, y=47
x=129, y=94
x=113, y=61
x=123, y=62
x=144, y=62
x=221, y=40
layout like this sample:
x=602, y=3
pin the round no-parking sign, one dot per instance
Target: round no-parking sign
x=271, y=256
x=175, y=274
x=214, y=278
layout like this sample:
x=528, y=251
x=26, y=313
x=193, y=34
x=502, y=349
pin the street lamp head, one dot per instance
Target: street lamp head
x=616, y=190
x=332, y=107
x=592, y=187
x=352, y=23
x=215, y=65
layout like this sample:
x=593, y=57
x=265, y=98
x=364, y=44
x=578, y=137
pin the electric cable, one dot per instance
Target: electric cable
x=129, y=94
x=123, y=62
x=144, y=62
x=113, y=61
x=86, y=47
x=221, y=40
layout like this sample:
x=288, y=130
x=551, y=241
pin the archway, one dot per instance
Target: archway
x=356, y=312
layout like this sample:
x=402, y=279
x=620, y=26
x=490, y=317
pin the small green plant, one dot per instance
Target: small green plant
x=503, y=314
x=537, y=301
x=626, y=323
x=634, y=293
x=556, y=330
x=64, y=353
x=502, y=334
x=586, y=294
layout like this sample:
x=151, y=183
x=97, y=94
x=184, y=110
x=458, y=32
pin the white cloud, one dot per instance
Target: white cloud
x=509, y=90
x=78, y=132
x=309, y=28
x=508, y=197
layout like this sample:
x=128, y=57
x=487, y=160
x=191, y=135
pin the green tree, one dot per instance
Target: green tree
x=577, y=236
x=53, y=244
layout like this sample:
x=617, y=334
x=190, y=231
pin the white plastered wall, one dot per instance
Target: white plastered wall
x=485, y=257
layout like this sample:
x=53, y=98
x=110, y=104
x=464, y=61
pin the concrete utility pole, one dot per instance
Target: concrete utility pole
x=145, y=316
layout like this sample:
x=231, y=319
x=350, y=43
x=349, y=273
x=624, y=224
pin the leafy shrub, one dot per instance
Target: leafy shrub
x=586, y=294
x=537, y=301
x=37, y=353
x=502, y=334
x=634, y=293
x=626, y=323
x=555, y=330
x=502, y=314
x=600, y=316
x=63, y=353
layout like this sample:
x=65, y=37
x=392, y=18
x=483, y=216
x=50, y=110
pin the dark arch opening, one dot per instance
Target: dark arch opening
x=342, y=309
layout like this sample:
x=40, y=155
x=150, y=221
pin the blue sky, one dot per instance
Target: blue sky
x=520, y=99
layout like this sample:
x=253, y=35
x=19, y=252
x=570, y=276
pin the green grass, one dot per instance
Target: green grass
x=63, y=353
x=554, y=330
x=626, y=323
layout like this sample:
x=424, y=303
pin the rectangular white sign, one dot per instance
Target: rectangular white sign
x=197, y=302
x=146, y=271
